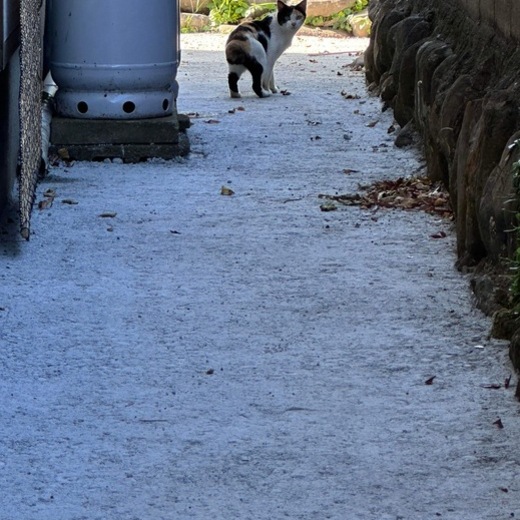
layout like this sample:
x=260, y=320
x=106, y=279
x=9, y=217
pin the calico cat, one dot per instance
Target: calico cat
x=256, y=45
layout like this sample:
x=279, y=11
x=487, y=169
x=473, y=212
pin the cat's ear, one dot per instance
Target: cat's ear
x=302, y=6
x=280, y=5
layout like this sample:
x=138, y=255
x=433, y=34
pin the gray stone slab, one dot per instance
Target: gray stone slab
x=68, y=131
x=129, y=153
x=184, y=122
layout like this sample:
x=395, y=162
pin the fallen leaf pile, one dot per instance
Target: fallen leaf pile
x=415, y=193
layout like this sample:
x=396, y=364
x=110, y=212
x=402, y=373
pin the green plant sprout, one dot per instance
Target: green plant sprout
x=227, y=11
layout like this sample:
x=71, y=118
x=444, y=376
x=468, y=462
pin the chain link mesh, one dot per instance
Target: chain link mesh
x=30, y=109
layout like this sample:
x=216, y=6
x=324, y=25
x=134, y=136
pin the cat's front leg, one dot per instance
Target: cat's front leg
x=272, y=84
x=260, y=88
x=268, y=83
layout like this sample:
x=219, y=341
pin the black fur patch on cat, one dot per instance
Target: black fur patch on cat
x=233, y=81
x=260, y=29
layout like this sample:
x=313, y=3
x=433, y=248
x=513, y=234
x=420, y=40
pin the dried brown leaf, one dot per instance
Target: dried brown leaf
x=226, y=191
x=45, y=203
x=499, y=424
x=328, y=206
x=63, y=153
x=349, y=95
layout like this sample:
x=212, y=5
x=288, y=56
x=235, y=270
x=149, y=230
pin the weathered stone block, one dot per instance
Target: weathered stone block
x=505, y=323
x=129, y=153
x=473, y=8
x=131, y=140
x=514, y=350
x=515, y=16
x=194, y=6
x=405, y=99
x=429, y=56
x=360, y=24
x=460, y=178
x=327, y=7
x=487, y=11
x=404, y=34
x=503, y=13
x=68, y=131
x=477, y=158
x=452, y=113
x=194, y=22
x=376, y=12
x=384, y=47
x=499, y=205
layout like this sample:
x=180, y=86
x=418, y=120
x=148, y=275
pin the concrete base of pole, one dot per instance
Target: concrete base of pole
x=131, y=140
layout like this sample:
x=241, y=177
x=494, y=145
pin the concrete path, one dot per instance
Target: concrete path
x=171, y=353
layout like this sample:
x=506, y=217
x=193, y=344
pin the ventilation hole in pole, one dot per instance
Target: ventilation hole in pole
x=82, y=107
x=128, y=107
x=165, y=105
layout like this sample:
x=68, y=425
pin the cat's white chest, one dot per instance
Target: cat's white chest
x=279, y=42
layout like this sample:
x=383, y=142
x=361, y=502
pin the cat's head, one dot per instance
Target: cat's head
x=291, y=17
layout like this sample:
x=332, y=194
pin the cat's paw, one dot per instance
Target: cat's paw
x=275, y=89
x=234, y=94
x=265, y=93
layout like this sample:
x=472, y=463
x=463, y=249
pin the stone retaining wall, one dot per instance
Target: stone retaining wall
x=456, y=82
x=501, y=14
x=449, y=69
